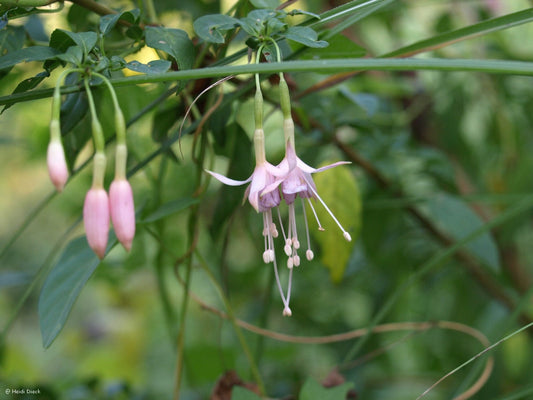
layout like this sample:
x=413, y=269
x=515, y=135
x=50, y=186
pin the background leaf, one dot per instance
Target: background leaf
x=340, y=191
x=34, y=53
x=153, y=67
x=312, y=390
x=175, y=42
x=212, y=28
x=305, y=36
x=240, y=393
x=64, y=284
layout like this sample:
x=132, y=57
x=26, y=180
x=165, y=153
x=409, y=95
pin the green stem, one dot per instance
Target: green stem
x=151, y=14
x=236, y=327
x=326, y=66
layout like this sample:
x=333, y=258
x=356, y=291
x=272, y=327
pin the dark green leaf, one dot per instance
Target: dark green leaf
x=271, y=4
x=62, y=40
x=312, y=390
x=339, y=47
x=255, y=23
x=108, y=22
x=153, y=67
x=212, y=28
x=175, y=42
x=34, y=53
x=11, y=39
x=170, y=208
x=13, y=278
x=306, y=36
x=456, y=219
x=163, y=120
x=240, y=393
x=28, y=84
x=64, y=284
x=73, y=55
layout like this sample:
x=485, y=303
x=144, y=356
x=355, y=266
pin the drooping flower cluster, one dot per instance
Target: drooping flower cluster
x=269, y=184
x=98, y=208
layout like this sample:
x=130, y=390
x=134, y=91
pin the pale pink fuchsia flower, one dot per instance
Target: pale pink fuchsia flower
x=263, y=201
x=297, y=181
x=122, y=211
x=57, y=165
x=96, y=220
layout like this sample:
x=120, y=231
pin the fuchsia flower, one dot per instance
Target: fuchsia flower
x=122, y=211
x=263, y=200
x=96, y=220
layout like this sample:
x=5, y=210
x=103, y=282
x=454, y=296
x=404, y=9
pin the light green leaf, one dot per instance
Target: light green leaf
x=64, y=284
x=339, y=190
x=312, y=390
x=175, y=42
x=240, y=393
x=457, y=220
x=170, y=208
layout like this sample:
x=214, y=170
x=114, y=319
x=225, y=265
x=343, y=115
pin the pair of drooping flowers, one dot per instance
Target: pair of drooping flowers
x=291, y=178
x=98, y=206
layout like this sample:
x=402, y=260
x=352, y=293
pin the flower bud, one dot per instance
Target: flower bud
x=122, y=211
x=57, y=166
x=96, y=220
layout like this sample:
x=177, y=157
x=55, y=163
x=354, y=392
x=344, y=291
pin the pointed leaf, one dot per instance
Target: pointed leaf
x=34, y=53
x=153, y=67
x=64, y=284
x=108, y=22
x=305, y=36
x=175, y=42
x=212, y=28
x=339, y=190
x=28, y=84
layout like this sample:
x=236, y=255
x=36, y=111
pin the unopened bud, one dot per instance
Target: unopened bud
x=96, y=220
x=57, y=165
x=122, y=209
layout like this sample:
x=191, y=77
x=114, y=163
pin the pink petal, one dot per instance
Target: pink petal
x=290, y=156
x=96, y=220
x=228, y=181
x=122, y=211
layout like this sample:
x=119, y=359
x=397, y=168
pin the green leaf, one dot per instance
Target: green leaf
x=256, y=21
x=339, y=190
x=64, y=284
x=303, y=12
x=34, y=53
x=306, y=36
x=175, y=42
x=240, y=393
x=170, y=208
x=11, y=40
x=62, y=40
x=339, y=47
x=28, y=84
x=153, y=67
x=457, y=220
x=211, y=28
x=108, y=22
x=312, y=390
x=271, y=4
x=73, y=55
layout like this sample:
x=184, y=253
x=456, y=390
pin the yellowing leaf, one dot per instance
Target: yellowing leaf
x=339, y=190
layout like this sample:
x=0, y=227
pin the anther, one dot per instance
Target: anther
x=347, y=236
x=309, y=254
x=287, y=311
x=296, y=260
x=290, y=262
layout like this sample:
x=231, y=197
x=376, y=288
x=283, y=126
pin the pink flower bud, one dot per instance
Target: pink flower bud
x=57, y=166
x=96, y=220
x=122, y=211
